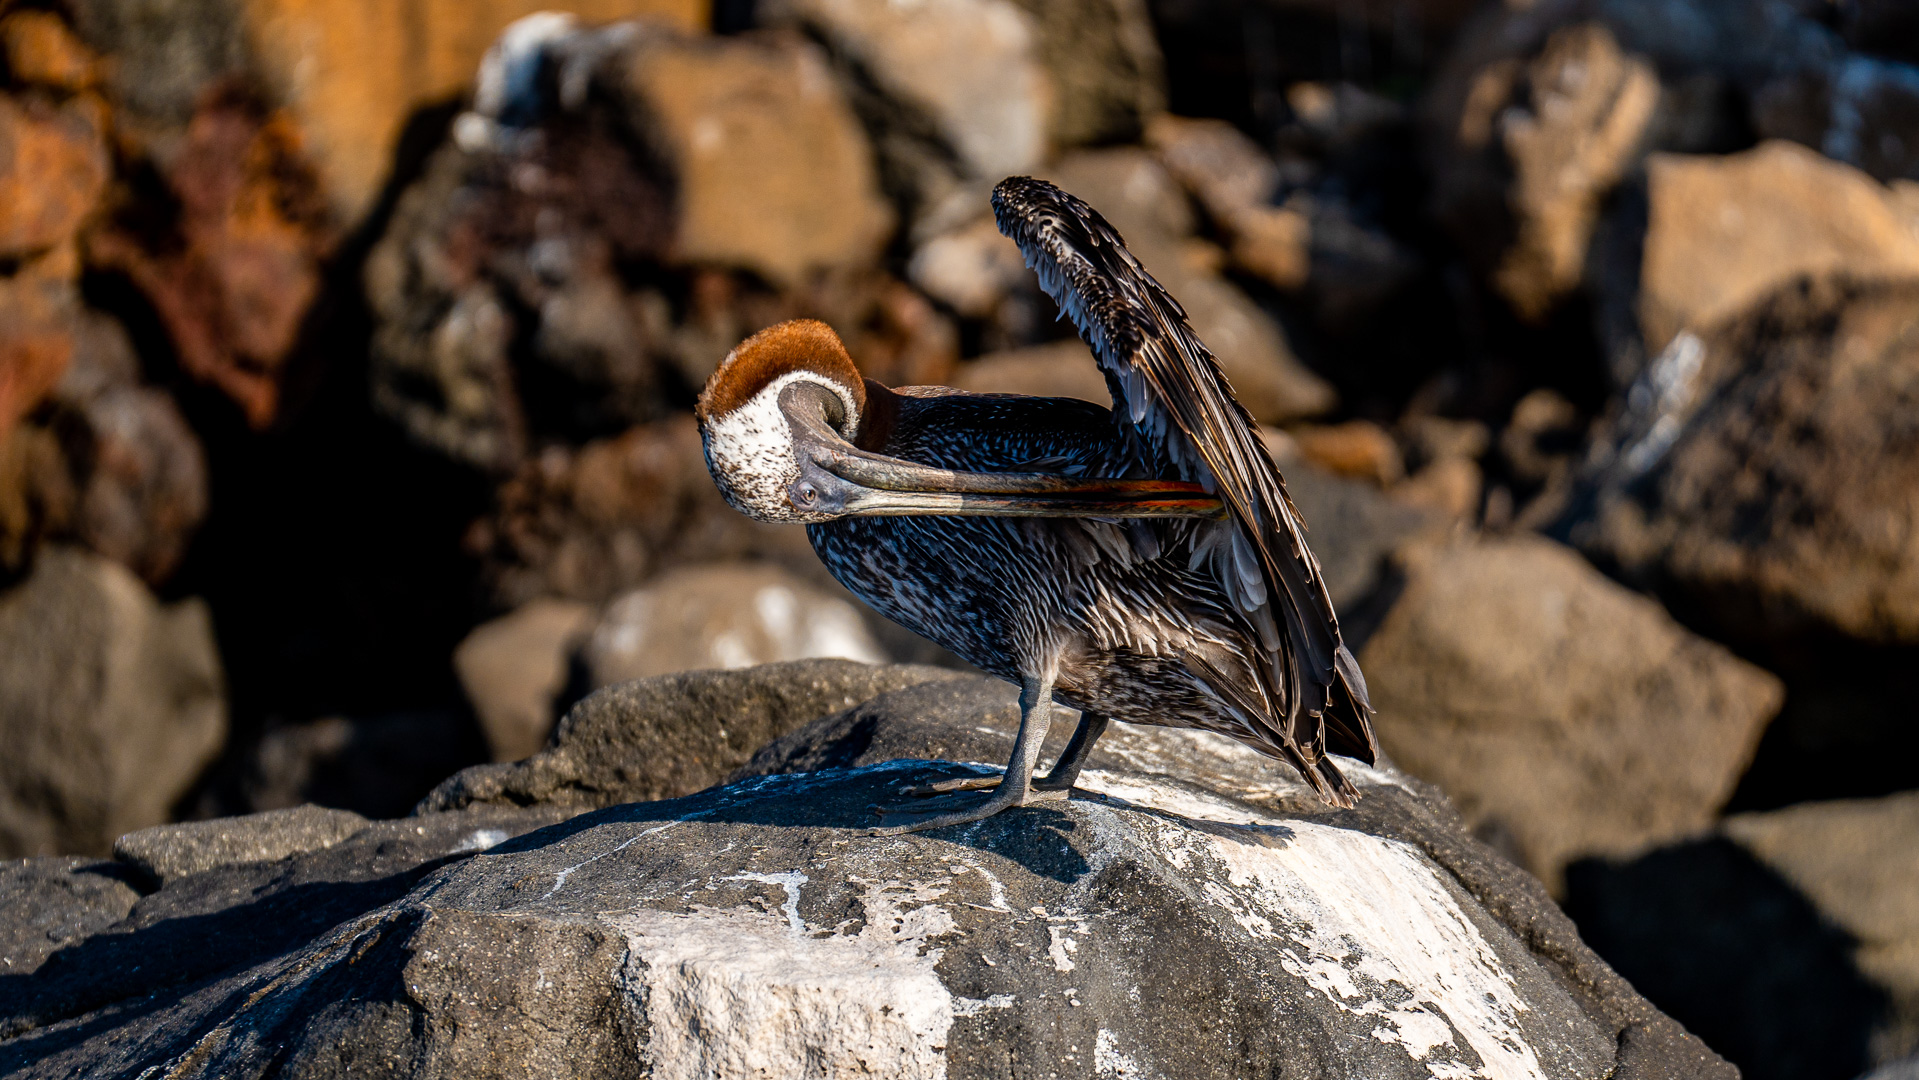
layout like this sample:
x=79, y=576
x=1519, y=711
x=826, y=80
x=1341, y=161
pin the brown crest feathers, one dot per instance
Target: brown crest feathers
x=794, y=345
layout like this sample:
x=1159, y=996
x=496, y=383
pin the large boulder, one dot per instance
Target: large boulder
x=1760, y=472
x=757, y=929
x=1723, y=232
x=112, y=705
x=1565, y=715
x=1788, y=939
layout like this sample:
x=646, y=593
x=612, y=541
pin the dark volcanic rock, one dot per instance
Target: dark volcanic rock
x=184, y=939
x=1205, y=925
x=54, y=901
x=167, y=853
x=672, y=734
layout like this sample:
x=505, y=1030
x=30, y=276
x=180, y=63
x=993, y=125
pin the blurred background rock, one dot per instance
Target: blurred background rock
x=347, y=354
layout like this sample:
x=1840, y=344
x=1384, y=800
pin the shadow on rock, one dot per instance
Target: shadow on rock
x=1730, y=949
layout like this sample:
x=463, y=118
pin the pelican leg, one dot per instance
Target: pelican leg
x=1014, y=789
x=1066, y=770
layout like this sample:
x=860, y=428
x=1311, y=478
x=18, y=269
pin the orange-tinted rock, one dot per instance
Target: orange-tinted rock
x=774, y=171
x=53, y=168
x=1358, y=449
x=36, y=333
x=1724, y=231
x=349, y=73
x=234, y=273
x=40, y=50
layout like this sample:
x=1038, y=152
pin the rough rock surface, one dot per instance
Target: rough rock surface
x=1565, y=715
x=673, y=734
x=749, y=930
x=111, y=705
x=167, y=853
x=176, y=944
x=55, y=901
x=1761, y=470
x=722, y=615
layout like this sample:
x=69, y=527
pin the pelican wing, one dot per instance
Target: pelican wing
x=1182, y=411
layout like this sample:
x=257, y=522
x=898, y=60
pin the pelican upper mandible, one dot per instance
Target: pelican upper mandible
x=1141, y=564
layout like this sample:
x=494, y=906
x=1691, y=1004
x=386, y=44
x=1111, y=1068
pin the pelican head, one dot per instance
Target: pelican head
x=784, y=421
x=780, y=392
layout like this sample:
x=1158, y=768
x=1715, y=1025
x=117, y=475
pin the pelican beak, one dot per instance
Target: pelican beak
x=838, y=478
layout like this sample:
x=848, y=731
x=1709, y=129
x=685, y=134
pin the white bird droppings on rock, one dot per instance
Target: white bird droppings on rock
x=748, y=994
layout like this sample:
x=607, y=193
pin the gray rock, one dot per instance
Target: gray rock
x=672, y=735
x=1566, y=715
x=110, y=707
x=166, y=853
x=1155, y=927
x=51, y=902
x=177, y=943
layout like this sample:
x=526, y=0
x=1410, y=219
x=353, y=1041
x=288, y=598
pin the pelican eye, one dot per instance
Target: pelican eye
x=805, y=494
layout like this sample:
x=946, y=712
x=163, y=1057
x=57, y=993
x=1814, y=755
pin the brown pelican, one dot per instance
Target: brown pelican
x=1142, y=564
